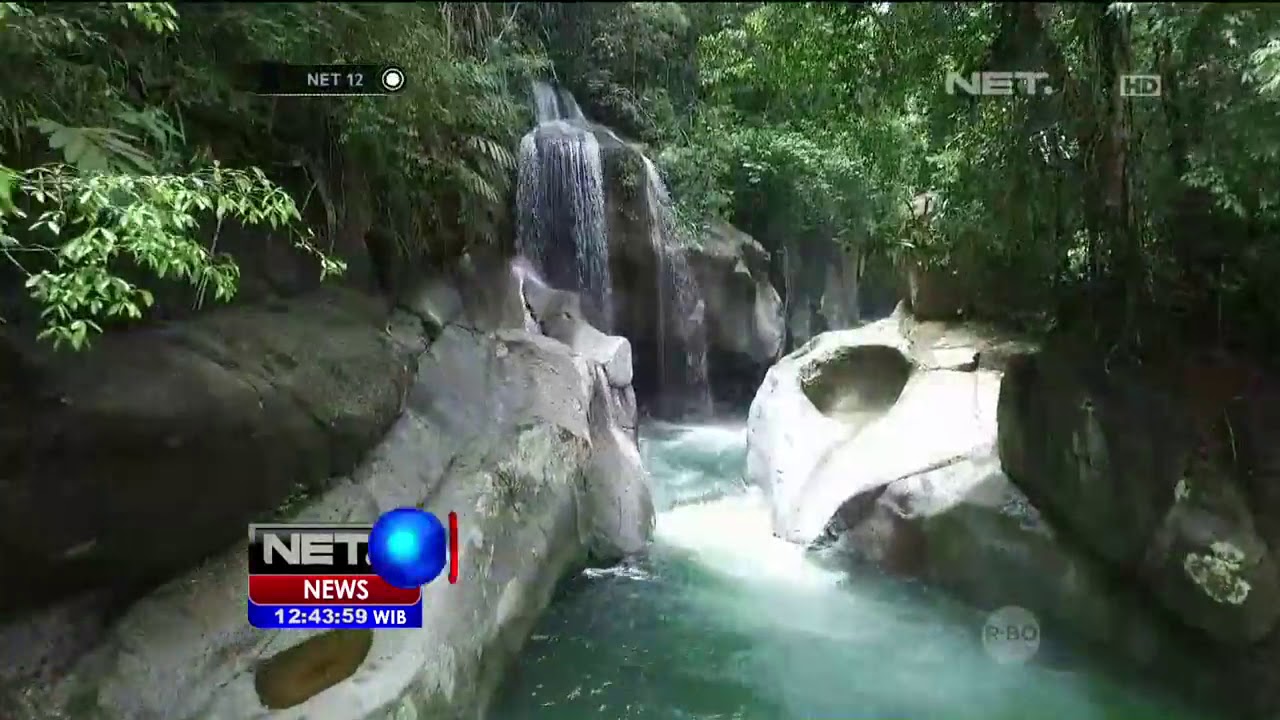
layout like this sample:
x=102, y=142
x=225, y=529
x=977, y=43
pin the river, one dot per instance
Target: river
x=721, y=620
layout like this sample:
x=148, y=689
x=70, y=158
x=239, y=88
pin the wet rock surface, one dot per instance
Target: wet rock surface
x=1170, y=482
x=854, y=409
x=879, y=446
x=1121, y=468
x=965, y=528
x=154, y=448
x=746, y=329
x=509, y=429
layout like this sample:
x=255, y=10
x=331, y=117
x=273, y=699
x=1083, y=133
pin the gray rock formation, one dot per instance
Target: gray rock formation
x=854, y=409
x=744, y=311
x=746, y=329
x=741, y=311
x=511, y=429
x=965, y=528
x=154, y=448
x=1123, y=470
x=935, y=294
x=932, y=292
x=880, y=443
x=824, y=288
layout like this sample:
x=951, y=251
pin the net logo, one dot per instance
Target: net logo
x=338, y=576
x=999, y=82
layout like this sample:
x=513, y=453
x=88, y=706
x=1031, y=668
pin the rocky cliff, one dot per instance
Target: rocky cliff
x=474, y=409
x=1167, y=477
x=887, y=445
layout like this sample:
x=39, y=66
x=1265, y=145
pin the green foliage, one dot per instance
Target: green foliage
x=793, y=157
x=93, y=219
x=438, y=154
x=627, y=62
x=448, y=138
x=115, y=187
x=444, y=144
x=804, y=123
x=126, y=121
x=820, y=122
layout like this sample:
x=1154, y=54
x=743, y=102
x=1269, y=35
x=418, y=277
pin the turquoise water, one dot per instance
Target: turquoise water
x=722, y=620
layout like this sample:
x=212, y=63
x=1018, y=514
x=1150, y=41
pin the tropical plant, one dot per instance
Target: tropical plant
x=130, y=135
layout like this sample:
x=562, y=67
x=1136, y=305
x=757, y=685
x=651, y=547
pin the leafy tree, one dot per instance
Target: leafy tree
x=1147, y=221
x=101, y=193
x=129, y=130
x=811, y=125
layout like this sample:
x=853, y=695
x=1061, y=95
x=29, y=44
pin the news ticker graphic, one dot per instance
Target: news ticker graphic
x=340, y=80
x=341, y=576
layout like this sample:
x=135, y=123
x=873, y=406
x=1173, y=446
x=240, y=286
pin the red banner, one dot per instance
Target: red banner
x=328, y=590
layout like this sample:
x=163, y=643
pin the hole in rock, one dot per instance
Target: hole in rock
x=293, y=676
x=856, y=384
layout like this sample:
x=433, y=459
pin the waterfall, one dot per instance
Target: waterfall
x=560, y=202
x=552, y=103
x=563, y=233
x=681, y=316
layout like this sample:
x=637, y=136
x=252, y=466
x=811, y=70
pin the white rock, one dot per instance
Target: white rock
x=504, y=440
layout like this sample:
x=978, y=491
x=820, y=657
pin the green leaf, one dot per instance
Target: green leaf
x=63, y=136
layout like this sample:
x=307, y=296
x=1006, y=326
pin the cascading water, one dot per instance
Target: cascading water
x=682, y=370
x=721, y=619
x=552, y=103
x=560, y=201
x=563, y=233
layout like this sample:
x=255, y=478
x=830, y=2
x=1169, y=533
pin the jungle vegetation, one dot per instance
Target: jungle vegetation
x=1152, y=220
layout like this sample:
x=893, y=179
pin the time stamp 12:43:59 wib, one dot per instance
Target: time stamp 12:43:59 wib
x=339, y=616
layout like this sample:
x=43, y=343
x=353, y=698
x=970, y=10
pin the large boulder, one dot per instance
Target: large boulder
x=744, y=312
x=880, y=443
x=498, y=426
x=623, y=517
x=854, y=409
x=824, y=286
x=1148, y=487
x=745, y=324
x=658, y=303
x=965, y=528
x=935, y=293
x=145, y=453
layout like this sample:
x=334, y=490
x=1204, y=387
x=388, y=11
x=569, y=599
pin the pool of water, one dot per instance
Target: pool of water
x=722, y=620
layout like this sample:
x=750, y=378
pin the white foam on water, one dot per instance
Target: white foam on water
x=722, y=619
x=629, y=572
x=712, y=438
x=733, y=535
